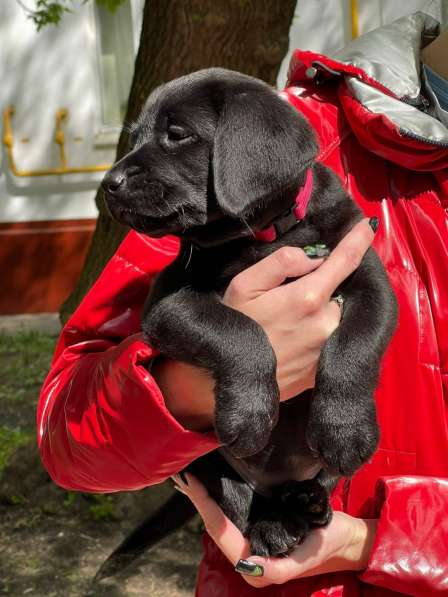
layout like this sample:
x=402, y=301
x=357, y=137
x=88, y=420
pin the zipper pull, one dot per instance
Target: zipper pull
x=425, y=103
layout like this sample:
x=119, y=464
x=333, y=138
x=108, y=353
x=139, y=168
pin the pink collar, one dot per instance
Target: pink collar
x=287, y=221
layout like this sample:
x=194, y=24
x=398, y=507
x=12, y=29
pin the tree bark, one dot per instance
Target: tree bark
x=179, y=37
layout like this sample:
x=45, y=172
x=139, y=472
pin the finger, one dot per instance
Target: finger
x=323, y=323
x=270, y=272
x=330, y=317
x=302, y=561
x=342, y=262
x=223, y=532
x=276, y=570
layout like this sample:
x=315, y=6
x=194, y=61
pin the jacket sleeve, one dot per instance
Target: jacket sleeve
x=102, y=422
x=410, y=553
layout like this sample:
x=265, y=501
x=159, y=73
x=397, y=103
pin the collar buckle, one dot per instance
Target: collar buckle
x=286, y=221
x=291, y=217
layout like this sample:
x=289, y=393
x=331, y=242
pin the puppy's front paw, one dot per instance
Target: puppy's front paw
x=342, y=446
x=244, y=420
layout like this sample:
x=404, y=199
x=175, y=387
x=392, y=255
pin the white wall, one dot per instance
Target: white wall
x=42, y=72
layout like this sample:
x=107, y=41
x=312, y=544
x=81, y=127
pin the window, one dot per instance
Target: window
x=116, y=61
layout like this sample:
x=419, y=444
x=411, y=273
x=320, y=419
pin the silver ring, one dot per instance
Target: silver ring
x=339, y=299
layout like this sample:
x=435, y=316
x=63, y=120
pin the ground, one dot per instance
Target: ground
x=53, y=541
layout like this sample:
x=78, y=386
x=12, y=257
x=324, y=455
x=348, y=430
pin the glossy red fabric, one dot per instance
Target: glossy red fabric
x=103, y=425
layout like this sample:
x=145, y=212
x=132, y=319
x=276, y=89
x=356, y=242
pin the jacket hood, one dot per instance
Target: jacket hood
x=381, y=91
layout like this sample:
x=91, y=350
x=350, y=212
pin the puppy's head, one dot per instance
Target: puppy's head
x=212, y=146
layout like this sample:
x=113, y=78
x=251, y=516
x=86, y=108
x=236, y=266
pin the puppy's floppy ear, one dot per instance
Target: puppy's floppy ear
x=262, y=146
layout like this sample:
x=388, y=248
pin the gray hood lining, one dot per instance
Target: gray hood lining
x=390, y=55
x=407, y=118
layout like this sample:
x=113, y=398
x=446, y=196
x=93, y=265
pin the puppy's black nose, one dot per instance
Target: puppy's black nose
x=113, y=182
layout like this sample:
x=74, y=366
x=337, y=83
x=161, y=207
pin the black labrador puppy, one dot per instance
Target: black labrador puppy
x=222, y=161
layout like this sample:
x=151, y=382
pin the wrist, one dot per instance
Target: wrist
x=361, y=543
x=188, y=393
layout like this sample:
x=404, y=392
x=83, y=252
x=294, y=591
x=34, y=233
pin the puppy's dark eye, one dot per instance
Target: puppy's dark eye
x=178, y=133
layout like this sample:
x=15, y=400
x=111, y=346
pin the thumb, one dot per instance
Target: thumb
x=270, y=272
x=222, y=530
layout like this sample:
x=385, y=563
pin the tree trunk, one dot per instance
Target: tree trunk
x=179, y=37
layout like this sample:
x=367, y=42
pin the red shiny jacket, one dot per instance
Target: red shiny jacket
x=102, y=422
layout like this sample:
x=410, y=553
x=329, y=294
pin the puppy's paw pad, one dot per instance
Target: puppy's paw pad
x=276, y=537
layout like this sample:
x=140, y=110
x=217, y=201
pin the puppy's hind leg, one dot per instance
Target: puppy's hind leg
x=226, y=487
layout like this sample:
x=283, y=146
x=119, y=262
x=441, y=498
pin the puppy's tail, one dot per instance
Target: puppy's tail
x=175, y=512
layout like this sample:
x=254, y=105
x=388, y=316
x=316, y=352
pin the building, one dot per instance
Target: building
x=63, y=96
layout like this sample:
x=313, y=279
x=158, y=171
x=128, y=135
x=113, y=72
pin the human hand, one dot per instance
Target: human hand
x=298, y=317
x=344, y=544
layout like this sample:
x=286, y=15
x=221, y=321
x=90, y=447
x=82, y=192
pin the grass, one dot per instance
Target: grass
x=24, y=362
x=10, y=440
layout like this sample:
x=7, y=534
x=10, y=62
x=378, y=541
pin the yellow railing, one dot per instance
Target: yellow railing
x=59, y=139
x=355, y=18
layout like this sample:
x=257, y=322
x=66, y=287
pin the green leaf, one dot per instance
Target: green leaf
x=111, y=5
x=50, y=12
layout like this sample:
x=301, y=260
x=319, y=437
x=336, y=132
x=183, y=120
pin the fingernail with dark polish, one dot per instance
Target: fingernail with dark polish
x=249, y=568
x=183, y=477
x=374, y=223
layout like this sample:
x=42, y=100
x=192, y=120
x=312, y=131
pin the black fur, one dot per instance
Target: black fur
x=215, y=155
